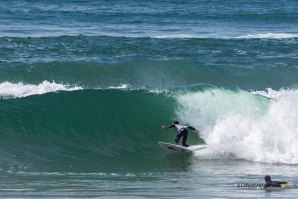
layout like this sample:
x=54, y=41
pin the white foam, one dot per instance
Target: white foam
x=128, y=87
x=270, y=93
x=121, y=86
x=71, y=31
x=270, y=36
x=17, y=90
x=179, y=36
x=243, y=125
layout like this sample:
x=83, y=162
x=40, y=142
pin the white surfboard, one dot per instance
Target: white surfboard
x=173, y=148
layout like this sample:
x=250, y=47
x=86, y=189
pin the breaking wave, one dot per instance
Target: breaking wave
x=244, y=125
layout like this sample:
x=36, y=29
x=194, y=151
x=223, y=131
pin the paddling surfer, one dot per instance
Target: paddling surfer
x=182, y=131
x=270, y=183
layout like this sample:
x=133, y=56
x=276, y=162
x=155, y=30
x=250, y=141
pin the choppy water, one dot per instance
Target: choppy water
x=86, y=85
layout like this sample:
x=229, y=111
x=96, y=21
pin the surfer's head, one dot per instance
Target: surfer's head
x=267, y=178
x=175, y=122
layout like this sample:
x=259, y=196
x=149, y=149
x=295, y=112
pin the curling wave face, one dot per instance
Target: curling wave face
x=88, y=128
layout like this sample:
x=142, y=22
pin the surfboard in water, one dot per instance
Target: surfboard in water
x=173, y=148
x=283, y=186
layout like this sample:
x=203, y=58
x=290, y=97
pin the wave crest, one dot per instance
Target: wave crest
x=18, y=90
x=269, y=36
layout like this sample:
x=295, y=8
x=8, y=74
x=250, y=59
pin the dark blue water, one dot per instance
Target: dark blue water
x=148, y=19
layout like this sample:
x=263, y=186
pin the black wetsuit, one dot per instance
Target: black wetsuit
x=274, y=184
x=181, y=132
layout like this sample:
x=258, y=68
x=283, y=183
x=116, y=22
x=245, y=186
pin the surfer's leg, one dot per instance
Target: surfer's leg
x=185, y=133
x=179, y=135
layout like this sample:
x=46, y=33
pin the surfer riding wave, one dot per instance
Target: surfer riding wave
x=182, y=131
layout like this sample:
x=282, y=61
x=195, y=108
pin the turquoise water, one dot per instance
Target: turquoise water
x=86, y=85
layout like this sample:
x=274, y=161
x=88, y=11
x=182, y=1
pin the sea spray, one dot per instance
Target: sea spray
x=243, y=125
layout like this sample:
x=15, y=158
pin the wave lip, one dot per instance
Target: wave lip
x=18, y=90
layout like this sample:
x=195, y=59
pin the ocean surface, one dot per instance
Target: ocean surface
x=86, y=85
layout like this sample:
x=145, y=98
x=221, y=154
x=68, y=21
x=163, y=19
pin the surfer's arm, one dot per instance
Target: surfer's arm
x=165, y=127
x=192, y=128
x=280, y=183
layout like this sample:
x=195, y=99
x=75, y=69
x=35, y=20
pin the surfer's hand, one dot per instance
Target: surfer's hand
x=197, y=131
x=163, y=126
